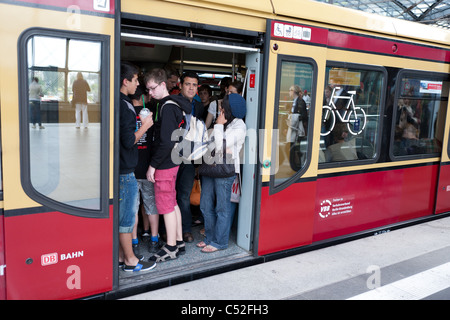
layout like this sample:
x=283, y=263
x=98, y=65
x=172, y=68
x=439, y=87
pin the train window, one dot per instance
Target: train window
x=351, y=113
x=294, y=90
x=62, y=119
x=420, y=114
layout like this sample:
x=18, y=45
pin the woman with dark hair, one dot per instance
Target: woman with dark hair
x=229, y=136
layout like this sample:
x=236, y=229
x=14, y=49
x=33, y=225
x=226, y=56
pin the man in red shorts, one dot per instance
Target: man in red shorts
x=162, y=170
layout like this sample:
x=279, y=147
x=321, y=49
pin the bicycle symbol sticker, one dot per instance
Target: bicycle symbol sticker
x=354, y=117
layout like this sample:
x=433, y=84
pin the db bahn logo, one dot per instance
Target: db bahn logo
x=52, y=258
x=48, y=259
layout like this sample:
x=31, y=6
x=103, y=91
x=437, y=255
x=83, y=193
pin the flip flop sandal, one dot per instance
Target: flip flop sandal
x=209, y=249
x=141, y=266
x=201, y=244
x=139, y=256
x=164, y=255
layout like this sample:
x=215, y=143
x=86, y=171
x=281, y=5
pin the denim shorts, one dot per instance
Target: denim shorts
x=128, y=202
x=147, y=190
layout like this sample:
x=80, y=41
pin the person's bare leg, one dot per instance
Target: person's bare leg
x=127, y=250
x=145, y=219
x=134, y=233
x=170, y=220
x=179, y=233
x=154, y=224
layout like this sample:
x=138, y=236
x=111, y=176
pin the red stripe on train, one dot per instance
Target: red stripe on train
x=335, y=206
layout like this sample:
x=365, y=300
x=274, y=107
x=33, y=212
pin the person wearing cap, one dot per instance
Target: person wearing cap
x=216, y=192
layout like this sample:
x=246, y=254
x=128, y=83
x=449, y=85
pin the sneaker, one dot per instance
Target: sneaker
x=136, y=250
x=41, y=127
x=145, y=235
x=154, y=246
x=141, y=266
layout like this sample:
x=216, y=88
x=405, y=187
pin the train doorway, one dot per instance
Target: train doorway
x=213, y=56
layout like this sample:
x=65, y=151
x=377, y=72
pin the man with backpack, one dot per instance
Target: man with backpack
x=186, y=173
x=162, y=170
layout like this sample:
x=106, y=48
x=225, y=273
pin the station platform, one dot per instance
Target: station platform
x=410, y=263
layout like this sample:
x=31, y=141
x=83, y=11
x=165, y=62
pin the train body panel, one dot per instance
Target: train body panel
x=59, y=234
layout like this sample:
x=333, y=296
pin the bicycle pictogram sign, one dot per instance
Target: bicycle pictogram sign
x=355, y=117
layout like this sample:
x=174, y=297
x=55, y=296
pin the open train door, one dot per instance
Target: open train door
x=289, y=162
x=57, y=179
x=442, y=132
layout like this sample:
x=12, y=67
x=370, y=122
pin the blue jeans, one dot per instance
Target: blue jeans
x=216, y=208
x=128, y=202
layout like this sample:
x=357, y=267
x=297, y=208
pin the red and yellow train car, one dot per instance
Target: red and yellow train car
x=368, y=152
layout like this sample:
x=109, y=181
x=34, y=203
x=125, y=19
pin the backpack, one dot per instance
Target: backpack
x=191, y=136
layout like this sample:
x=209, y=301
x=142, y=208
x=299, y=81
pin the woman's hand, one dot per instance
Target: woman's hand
x=221, y=118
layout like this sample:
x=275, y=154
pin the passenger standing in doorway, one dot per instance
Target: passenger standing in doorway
x=213, y=108
x=229, y=87
x=35, y=94
x=205, y=94
x=172, y=80
x=229, y=136
x=150, y=217
x=80, y=89
x=163, y=171
x=235, y=87
x=186, y=172
x=128, y=153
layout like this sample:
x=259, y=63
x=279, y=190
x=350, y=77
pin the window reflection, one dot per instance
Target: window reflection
x=64, y=160
x=420, y=116
x=351, y=114
x=293, y=118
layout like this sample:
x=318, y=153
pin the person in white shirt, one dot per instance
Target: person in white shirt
x=229, y=136
x=35, y=94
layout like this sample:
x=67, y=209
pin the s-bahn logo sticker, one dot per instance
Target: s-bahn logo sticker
x=335, y=207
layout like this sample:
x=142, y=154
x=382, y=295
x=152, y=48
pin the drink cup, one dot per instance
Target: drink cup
x=144, y=113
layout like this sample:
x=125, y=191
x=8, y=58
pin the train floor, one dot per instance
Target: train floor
x=190, y=262
x=411, y=263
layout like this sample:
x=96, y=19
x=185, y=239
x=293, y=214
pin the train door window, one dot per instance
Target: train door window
x=294, y=92
x=62, y=119
x=420, y=114
x=351, y=121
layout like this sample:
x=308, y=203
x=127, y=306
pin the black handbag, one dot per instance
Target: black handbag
x=220, y=167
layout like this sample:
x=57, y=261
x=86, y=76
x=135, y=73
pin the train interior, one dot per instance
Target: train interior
x=211, y=65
